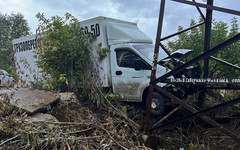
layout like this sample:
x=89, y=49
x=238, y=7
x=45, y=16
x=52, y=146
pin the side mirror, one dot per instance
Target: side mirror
x=138, y=64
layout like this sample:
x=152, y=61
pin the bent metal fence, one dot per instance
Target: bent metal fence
x=204, y=82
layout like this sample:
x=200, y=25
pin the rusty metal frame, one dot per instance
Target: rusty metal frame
x=198, y=114
x=205, y=118
x=205, y=56
x=225, y=63
x=167, y=37
x=154, y=68
x=198, y=58
x=207, y=39
x=199, y=10
x=229, y=11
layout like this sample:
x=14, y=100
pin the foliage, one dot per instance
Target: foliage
x=102, y=51
x=64, y=50
x=11, y=27
x=194, y=40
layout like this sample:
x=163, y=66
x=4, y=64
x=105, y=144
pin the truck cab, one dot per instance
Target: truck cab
x=131, y=72
x=131, y=69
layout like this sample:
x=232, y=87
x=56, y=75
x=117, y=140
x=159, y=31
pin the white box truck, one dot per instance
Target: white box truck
x=126, y=69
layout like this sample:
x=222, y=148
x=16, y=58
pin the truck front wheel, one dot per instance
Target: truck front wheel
x=158, y=104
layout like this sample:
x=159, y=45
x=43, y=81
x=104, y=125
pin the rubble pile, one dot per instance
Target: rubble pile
x=61, y=123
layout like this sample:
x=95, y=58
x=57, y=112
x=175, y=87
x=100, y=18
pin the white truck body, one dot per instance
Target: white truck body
x=24, y=58
x=129, y=46
x=122, y=37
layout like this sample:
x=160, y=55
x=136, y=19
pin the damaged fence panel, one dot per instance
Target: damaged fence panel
x=197, y=114
x=200, y=57
x=205, y=82
x=205, y=118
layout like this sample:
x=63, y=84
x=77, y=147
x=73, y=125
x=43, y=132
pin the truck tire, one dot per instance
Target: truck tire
x=158, y=104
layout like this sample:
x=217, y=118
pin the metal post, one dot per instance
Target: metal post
x=155, y=59
x=207, y=39
x=207, y=45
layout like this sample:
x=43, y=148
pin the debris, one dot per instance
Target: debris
x=68, y=97
x=71, y=124
x=42, y=117
x=32, y=100
x=70, y=112
x=6, y=93
x=79, y=128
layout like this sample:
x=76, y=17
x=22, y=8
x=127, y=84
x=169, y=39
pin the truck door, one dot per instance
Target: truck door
x=128, y=81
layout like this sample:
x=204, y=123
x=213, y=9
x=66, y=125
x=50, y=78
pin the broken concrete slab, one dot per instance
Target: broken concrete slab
x=68, y=97
x=4, y=93
x=42, y=117
x=33, y=100
x=68, y=109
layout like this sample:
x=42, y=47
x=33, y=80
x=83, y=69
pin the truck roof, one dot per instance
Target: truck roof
x=109, y=19
x=114, y=31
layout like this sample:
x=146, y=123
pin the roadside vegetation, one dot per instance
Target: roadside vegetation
x=64, y=52
x=11, y=27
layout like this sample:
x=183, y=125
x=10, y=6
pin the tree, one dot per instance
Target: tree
x=194, y=40
x=233, y=51
x=11, y=27
x=64, y=51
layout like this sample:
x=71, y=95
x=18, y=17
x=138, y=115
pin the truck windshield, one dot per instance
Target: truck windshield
x=148, y=50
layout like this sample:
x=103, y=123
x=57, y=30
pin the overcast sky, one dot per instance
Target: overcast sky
x=143, y=12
